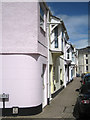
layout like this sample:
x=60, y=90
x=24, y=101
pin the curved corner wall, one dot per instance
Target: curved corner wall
x=21, y=79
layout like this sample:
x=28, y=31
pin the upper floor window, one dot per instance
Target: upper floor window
x=62, y=39
x=86, y=55
x=56, y=37
x=41, y=17
x=62, y=34
x=68, y=54
x=72, y=57
x=86, y=61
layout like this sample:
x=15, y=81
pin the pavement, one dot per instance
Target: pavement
x=60, y=107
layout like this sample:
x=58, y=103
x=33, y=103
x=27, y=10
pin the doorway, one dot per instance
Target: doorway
x=44, y=84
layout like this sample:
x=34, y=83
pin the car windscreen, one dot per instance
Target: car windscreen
x=87, y=79
x=85, y=89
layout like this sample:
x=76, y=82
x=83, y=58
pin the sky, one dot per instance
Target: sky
x=75, y=17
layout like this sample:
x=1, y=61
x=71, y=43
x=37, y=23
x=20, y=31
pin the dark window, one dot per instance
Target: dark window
x=86, y=55
x=86, y=61
x=68, y=54
x=68, y=51
x=56, y=37
x=41, y=17
x=62, y=35
x=41, y=12
x=62, y=39
x=86, y=68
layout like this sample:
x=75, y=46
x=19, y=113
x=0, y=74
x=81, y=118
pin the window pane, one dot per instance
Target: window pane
x=86, y=55
x=41, y=12
x=67, y=56
x=68, y=51
x=62, y=35
x=41, y=17
x=62, y=39
x=86, y=68
x=86, y=61
x=41, y=23
x=56, y=37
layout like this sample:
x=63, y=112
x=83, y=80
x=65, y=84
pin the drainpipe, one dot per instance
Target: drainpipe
x=1, y=51
x=48, y=83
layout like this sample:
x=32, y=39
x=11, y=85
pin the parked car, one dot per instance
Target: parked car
x=77, y=75
x=85, y=78
x=82, y=106
x=82, y=75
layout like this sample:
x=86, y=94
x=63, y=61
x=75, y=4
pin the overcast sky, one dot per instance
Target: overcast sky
x=75, y=17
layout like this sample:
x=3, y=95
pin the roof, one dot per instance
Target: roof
x=56, y=18
x=84, y=50
x=47, y=7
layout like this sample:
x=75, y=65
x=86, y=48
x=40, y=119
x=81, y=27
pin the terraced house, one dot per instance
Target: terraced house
x=33, y=64
x=84, y=60
x=58, y=34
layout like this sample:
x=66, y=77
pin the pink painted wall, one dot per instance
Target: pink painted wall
x=20, y=27
x=42, y=38
x=21, y=76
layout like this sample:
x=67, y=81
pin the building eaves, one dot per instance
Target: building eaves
x=65, y=30
x=88, y=47
x=84, y=50
x=56, y=17
x=46, y=6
